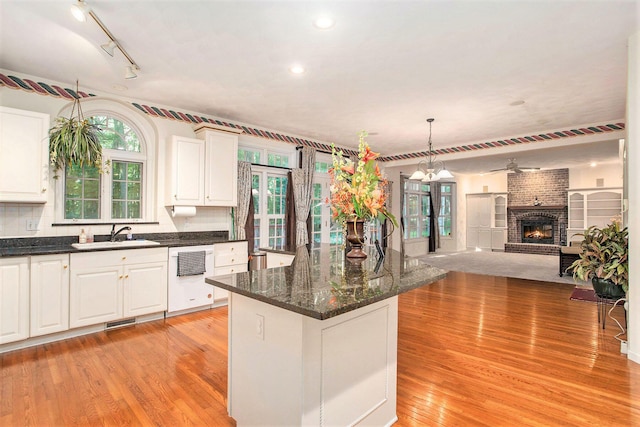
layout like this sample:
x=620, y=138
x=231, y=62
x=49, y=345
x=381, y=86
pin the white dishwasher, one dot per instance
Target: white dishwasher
x=189, y=292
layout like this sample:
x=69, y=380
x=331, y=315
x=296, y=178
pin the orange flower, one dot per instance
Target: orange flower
x=357, y=192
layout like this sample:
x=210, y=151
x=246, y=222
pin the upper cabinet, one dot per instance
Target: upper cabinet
x=203, y=171
x=24, y=156
x=593, y=206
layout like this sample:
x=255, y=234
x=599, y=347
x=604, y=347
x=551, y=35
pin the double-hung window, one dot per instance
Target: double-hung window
x=269, y=191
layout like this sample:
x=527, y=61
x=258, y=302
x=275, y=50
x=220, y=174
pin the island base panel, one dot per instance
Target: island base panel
x=289, y=369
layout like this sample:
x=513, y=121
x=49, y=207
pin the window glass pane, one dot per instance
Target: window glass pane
x=82, y=193
x=126, y=192
x=256, y=234
x=255, y=191
x=116, y=135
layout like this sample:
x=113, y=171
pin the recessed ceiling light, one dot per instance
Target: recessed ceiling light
x=324, y=23
x=594, y=164
x=296, y=69
x=516, y=103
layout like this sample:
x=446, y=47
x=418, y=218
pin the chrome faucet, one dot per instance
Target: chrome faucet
x=115, y=233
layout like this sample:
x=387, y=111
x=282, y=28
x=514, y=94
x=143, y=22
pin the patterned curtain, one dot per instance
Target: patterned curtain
x=435, y=204
x=303, y=192
x=244, y=196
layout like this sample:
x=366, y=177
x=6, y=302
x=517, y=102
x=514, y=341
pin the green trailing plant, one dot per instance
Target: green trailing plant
x=74, y=141
x=605, y=255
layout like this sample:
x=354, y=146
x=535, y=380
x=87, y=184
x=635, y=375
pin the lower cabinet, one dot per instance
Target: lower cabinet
x=111, y=285
x=14, y=299
x=229, y=258
x=49, y=294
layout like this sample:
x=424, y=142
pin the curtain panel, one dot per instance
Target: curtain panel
x=435, y=190
x=303, y=192
x=244, y=196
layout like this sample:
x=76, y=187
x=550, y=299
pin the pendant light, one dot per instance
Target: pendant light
x=431, y=170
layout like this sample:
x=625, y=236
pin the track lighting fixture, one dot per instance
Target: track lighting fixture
x=109, y=47
x=129, y=72
x=80, y=10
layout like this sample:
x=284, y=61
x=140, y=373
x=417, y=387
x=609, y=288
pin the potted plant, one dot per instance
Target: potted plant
x=604, y=260
x=74, y=140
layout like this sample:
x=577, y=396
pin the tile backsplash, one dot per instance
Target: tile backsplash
x=22, y=219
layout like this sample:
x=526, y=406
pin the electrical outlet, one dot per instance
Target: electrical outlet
x=32, y=225
x=260, y=326
x=623, y=347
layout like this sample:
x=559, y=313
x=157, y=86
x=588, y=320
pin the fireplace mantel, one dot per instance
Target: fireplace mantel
x=533, y=208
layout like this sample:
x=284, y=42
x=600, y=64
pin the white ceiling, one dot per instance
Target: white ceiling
x=385, y=67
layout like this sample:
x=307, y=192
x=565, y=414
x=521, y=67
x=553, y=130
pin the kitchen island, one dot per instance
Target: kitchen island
x=315, y=343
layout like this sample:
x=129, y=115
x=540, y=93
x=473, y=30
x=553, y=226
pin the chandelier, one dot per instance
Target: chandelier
x=430, y=169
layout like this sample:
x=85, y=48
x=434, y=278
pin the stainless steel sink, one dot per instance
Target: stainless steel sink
x=114, y=245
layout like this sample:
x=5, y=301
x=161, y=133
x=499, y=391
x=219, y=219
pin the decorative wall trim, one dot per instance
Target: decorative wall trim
x=41, y=88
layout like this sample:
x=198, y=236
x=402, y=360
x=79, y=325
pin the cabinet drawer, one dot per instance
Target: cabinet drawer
x=232, y=269
x=117, y=257
x=232, y=247
x=227, y=259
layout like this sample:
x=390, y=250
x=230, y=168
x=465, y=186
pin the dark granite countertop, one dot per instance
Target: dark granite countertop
x=322, y=283
x=60, y=245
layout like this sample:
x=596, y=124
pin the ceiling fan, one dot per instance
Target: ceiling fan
x=512, y=166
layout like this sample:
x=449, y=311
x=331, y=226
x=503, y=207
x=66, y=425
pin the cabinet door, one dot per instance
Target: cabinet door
x=14, y=299
x=221, y=169
x=49, y=294
x=95, y=295
x=24, y=156
x=187, y=171
x=145, y=288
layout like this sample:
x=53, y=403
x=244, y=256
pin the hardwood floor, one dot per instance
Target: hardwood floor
x=472, y=350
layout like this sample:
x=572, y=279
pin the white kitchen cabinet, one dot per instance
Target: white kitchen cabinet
x=229, y=258
x=221, y=167
x=24, y=156
x=186, y=166
x=145, y=288
x=49, y=294
x=14, y=299
x=107, y=286
x=486, y=221
x=204, y=171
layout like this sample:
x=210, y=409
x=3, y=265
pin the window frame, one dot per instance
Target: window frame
x=147, y=136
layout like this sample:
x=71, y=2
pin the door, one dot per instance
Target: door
x=145, y=289
x=49, y=294
x=221, y=169
x=95, y=296
x=14, y=299
x=187, y=171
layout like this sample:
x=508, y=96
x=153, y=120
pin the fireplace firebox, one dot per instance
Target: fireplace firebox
x=537, y=231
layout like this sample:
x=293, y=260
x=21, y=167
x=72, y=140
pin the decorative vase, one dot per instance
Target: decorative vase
x=607, y=289
x=355, y=237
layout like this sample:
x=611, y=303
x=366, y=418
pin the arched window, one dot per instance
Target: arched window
x=123, y=192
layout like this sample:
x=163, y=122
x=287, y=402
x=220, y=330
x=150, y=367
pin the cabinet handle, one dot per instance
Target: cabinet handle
x=231, y=249
x=232, y=270
x=126, y=276
x=44, y=189
x=65, y=267
x=233, y=259
x=124, y=257
x=120, y=277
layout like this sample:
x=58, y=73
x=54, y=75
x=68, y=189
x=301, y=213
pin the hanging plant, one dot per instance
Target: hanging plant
x=75, y=141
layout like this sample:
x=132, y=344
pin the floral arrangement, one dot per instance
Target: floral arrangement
x=357, y=189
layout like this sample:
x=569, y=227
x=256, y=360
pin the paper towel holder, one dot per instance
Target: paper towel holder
x=183, y=211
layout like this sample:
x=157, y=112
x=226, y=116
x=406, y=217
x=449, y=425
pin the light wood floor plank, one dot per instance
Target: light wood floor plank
x=472, y=350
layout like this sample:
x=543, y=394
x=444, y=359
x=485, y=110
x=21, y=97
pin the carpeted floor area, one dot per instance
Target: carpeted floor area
x=523, y=266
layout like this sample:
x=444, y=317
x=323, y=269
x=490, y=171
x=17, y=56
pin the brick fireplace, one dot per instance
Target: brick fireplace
x=539, y=201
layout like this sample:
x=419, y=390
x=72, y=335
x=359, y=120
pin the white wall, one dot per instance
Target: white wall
x=587, y=176
x=633, y=166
